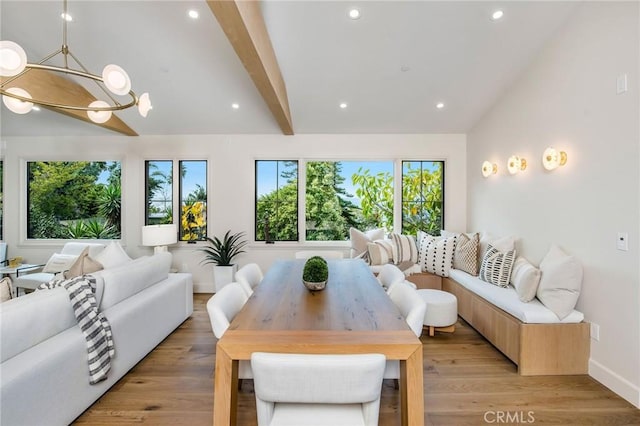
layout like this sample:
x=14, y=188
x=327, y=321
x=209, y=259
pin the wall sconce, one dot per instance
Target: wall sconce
x=515, y=164
x=551, y=158
x=489, y=169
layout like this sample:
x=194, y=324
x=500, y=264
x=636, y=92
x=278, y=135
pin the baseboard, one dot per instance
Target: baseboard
x=204, y=288
x=615, y=382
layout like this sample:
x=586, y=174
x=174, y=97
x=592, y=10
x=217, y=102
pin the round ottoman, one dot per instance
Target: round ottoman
x=442, y=310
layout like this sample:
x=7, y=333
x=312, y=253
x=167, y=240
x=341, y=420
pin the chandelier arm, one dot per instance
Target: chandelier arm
x=26, y=70
x=106, y=92
x=116, y=107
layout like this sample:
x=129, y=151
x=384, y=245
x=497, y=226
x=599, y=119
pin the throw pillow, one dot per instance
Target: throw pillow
x=447, y=234
x=6, y=290
x=359, y=241
x=465, y=256
x=496, y=266
x=560, y=283
x=501, y=244
x=83, y=265
x=525, y=278
x=380, y=252
x=404, y=248
x=112, y=255
x=436, y=254
x=59, y=263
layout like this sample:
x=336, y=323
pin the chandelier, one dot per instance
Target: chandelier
x=113, y=81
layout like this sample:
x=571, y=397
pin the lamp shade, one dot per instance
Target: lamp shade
x=16, y=105
x=551, y=158
x=13, y=59
x=489, y=169
x=159, y=235
x=99, y=116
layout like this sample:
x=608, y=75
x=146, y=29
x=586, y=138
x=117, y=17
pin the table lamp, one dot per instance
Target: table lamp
x=159, y=236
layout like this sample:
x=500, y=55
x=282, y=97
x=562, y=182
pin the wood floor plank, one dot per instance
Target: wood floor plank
x=466, y=382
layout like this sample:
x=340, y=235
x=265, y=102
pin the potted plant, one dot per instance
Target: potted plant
x=221, y=253
x=315, y=273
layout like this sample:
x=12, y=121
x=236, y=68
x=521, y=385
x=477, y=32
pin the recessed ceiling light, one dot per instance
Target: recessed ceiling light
x=193, y=14
x=497, y=15
x=235, y=106
x=35, y=108
x=354, y=14
x=440, y=105
x=404, y=68
x=66, y=17
x=343, y=105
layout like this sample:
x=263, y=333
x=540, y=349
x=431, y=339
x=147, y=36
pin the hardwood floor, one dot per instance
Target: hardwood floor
x=467, y=382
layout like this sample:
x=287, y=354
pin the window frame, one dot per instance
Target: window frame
x=402, y=201
x=255, y=205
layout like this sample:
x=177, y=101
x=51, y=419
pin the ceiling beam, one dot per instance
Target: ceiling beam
x=47, y=85
x=242, y=22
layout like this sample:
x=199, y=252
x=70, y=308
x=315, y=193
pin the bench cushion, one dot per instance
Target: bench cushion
x=507, y=299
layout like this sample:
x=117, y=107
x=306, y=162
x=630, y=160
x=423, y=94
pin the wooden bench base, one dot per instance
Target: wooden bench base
x=537, y=349
x=426, y=280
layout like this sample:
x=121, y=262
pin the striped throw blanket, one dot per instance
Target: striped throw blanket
x=94, y=325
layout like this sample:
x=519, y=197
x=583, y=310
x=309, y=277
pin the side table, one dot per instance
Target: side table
x=15, y=271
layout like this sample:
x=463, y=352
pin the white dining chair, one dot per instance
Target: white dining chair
x=390, y=275
x=327, y=254
x=297, y=389
x=412, y=308
x=249, y=276
x=222, y=308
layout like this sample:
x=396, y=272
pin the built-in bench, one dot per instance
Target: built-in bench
x=540, y=348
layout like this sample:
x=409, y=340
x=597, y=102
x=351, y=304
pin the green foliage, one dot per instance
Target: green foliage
x=90, y=229
x=44, y=226
x=422, y=200
x=109, y=204
x=329, y=214
x=277, y=211
x=222, y=252
x=315, y=270
x=376, y=198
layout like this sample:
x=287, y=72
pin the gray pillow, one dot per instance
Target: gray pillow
x=496, y=266
x=560, y=283
x=525, y=278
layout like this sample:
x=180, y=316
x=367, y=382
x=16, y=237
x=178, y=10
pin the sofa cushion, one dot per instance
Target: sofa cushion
x=28, y=320
x=6, y=289
x=380, y=252
x=83, y=265
x=525, y=279
x=76, y=248
x=404, y=248
x=507, y=299
x=359, y=241
x=560, y=283
x=436, y=254
x=113, y=255
x=126, y=280
x=507, y=243
x=465, y=256
x=496, y=266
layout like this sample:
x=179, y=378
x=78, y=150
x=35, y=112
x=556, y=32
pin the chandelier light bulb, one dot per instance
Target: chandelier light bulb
x=13, y=58
x=144, y=105
x=116, y=79
x=16, y=105
x=99, y=116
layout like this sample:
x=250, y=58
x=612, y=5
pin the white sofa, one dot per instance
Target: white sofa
x=43, y=372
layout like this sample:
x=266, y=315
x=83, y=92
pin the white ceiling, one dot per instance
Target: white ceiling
x=391, y=66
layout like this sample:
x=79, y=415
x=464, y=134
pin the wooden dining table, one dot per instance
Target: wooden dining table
x=352, y=315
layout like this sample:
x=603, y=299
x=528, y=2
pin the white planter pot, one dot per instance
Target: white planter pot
x=223, y=275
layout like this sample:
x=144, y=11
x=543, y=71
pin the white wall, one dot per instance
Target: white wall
x=567, y=99
x=231, y=186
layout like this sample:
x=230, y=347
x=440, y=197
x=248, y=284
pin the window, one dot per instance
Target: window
x=1, y=199
x=159, y=192
x=422, y=196
x=73, y=199
x=193, y=200
x=276, y=200
x=344, y=194
x=191, y=176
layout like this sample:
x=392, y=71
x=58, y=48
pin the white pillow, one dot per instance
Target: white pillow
x=525, y=278
x=59, y=262
x=503, y=244
x=359, y=241
x=404, y=248
x=112, y=255
x=560, y=283
x=436, y=254
x=447, y=234
x=496, y=266
x=380, y=252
